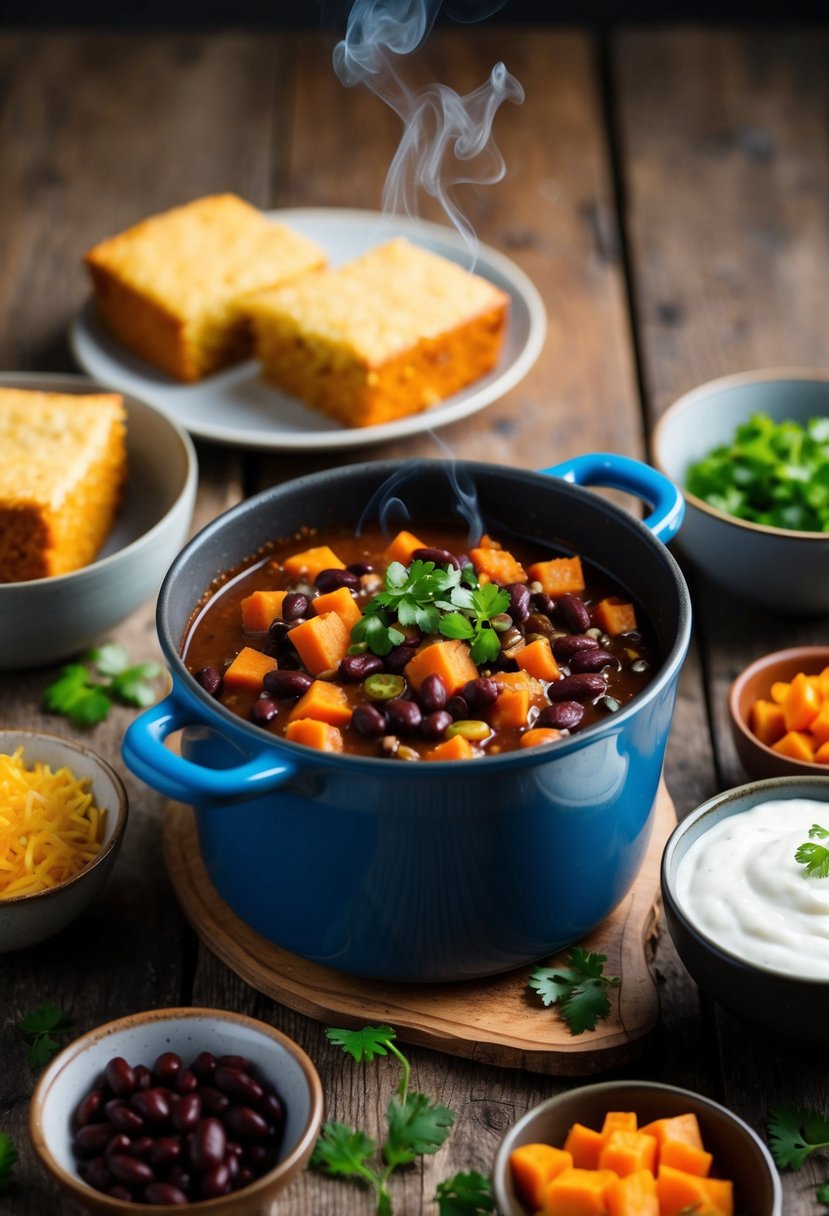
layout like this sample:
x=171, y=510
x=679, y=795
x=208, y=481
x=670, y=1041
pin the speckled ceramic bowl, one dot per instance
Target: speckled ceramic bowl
x=140, y=1039
x=780, y=570
x=739, y=1153
x=755, y=683
x=47, y=619
x=782, y=1005
x=27, y=919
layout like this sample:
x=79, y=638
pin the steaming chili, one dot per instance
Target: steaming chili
x=285, y=641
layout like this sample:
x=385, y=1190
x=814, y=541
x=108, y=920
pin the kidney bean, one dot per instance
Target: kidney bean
x=273, y=1108
x=232, y=1163
x=368, y=721
x=360, y=568
x=152, y=1104
x=123, y=1119
x=210, y=679
x=120, y=1192
x=278, y=632
x=187, y=1112
x=166, y=1151
x=143, y=1076
x=239, y=1062
x=204, y=1064
x=564, y=648
x=295, y=606
x=536, y=622
x=264, y=710
x=207, y=1144
x=278, y=683
x=245, y=1123
x=519, y=601
x=118, y=1144
x=89, y=1107
x=236, y=1082
x=233, y=1149
x=159, y=1193
x=585, y=686
x=130, y=1170
x=140, y=1148
x=167, y=1066
x=120, y=1077
x=404, y=716
x=332, y=580
x=541, y=602
x=432, y=694
x=215, y=1182
x=572, y=611
x=564, y=715
x=592, y=660
x=434, y=725
x=441, y=557
x=186, y=1081
x=245, y=1176
x=92, y=1138
x=212, y=1101
x=97, y=1174
x=356, y=667
x=181, y=1177
x=480, y=694
x=457, y=707
x=399, y=657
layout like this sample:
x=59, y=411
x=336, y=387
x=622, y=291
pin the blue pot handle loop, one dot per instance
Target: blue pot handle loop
x=145, y=754
x=624, y=473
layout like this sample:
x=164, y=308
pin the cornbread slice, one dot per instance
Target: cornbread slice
x=170, y=287
x=385, y=335
x=63, y=467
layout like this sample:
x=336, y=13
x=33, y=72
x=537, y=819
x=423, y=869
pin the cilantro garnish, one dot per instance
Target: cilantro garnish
x=794, y=1133
x=8, y=1160
x=822, y=1193
x=773, y=473
x=41, y=1026
x=85, y=693
x=578, y=987
x=416, y=1125
x=815, y=857
x=465, y=1195
x=437, y=600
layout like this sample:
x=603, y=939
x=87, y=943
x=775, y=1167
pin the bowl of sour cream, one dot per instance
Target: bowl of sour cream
x=745, y=885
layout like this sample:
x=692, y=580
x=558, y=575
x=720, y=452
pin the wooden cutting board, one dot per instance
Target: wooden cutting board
x=494, y=1021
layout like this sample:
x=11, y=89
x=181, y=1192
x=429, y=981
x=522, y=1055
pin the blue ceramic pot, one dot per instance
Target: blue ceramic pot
x=447, y=870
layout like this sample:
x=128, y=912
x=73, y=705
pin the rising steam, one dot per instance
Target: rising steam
x=447, y=139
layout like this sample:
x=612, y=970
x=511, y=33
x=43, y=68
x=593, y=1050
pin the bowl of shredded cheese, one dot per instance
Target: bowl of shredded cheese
x=63, y=812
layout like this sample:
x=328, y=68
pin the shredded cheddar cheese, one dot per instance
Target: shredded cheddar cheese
x=49, y=827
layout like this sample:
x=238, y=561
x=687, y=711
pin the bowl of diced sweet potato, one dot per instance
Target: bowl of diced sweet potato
x=779, y=709
x=634, y=1147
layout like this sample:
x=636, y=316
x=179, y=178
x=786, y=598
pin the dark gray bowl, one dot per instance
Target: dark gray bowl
x=739, y=1153
x=783, y=1006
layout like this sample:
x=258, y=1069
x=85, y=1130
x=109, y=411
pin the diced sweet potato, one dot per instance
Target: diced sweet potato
x=683, y=1127
x=313, y=733
x=796, y=745
x=321, y=642
x=802, y=703
x=533, y=1166
x=584, y=1145
x=822, y=754
x=634, y=1195
x=628, y=1152
x=499, y=564
x=539, y=735
x=450, y=660
x=402, y=548
x=340, y=601
x=819, y=726
x=538, y=660
x=578, y=1192
x=679, y=1192
x=324, y=702
x=456, y=748
x=618, y=1121
x=767, y=722
x=310, y=562
x=615, y=616
x=512, y=709
x=260, y=608
x=246, y=672
x=779, y=691
x=558, y=576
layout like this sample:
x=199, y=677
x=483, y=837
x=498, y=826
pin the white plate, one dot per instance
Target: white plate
x=237, y=407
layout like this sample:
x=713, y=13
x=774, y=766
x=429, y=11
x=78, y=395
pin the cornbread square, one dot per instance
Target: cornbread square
x=170, y=287
x=63, y=468
x=385, y=335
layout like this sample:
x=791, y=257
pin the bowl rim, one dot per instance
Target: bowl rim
x=115, y=837
x=689, y=399
x=52, y=382
x=82, y=1191
x=807, y=767
x=501, y=1163
x=668, y=866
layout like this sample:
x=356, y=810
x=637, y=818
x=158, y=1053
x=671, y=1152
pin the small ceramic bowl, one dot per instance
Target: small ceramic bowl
x=27, y=919
x=779, y=570
x=739, y=1153
x=45, y=620
x=140, y=1039
x=780, y=1004
x=754, y=684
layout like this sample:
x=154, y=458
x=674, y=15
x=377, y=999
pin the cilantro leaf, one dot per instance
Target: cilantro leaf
x=85, y=694
x=42, y=1026
x=363, y=1044
x=794, y=1133
x=465, y=1195
x=578, y=987
x=815, y=857
x=8, y=1160
x=416, y=1126
x=110, y=658
x=343, y=1152
x=42, y=1019
x=131, y=686
x=822, y=1193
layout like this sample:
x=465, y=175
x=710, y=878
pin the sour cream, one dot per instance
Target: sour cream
x=740, y=885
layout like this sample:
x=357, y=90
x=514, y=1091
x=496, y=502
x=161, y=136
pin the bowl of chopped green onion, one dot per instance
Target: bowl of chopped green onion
x=751, y=453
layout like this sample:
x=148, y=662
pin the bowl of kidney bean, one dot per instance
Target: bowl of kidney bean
x=177, y=1107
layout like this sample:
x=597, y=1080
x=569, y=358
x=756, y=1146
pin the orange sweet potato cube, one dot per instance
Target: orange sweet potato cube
x=313, y=733
x=767, y=722
x=578, y=1192
x=321, y=642
x=456, y=748
x=325, y=702
x=584, y=1144
x=260, y=608
x=450, y=660
x=680, y=1192
x=633, y=1195
x=499, y=564
x=615, y=616
x=246, y=672
x=819, y=726
x=340, y=601
x=538, y=660
x=533, y=1166
x=628, y=1152
x=558, y=576
x=796, y=745
x=802, y=703
x=779, y=691
x=402, y=548
x=511, y=710
x=822, y=754
x=538, y=736
x=310, y=562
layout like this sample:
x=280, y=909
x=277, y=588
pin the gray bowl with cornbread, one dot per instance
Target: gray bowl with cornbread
x=46, y=619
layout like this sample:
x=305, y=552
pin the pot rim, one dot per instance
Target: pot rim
x=384, y=469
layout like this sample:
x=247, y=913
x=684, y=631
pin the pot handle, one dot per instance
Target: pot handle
x=145, y=754
x=633, y=476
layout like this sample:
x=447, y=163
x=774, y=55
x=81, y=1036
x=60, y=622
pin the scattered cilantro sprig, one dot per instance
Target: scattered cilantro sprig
x=8, y=1160
x=437, y=600
x=416, y=1126
x=815, y=857
x=795, y=1133
x=578, y=987
x=85, y=692
x=772, y=473
x=42, y=1026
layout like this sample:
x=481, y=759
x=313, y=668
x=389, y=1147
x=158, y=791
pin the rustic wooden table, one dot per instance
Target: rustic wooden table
x=667, y=193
